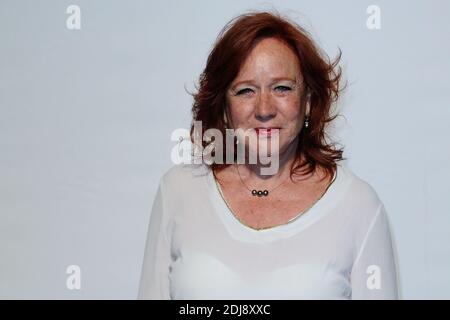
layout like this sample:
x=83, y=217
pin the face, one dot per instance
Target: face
x=266, y=94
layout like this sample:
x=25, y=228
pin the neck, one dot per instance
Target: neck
x=253, y=172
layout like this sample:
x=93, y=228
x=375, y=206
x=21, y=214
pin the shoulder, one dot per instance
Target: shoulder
x=365, y=213
x=183, y=175
x=361, y=190
x=360, y=197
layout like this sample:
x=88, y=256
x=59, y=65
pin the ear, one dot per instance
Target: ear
x=225, y=120
x=305, y=99
x=226, y=117
x=308, y=104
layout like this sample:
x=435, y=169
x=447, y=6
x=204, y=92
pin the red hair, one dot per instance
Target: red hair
x=320, y=77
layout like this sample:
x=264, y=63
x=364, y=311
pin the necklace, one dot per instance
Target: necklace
x=296, y=217
x=257, y=193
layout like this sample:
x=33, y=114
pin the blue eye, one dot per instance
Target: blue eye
x=282, y=88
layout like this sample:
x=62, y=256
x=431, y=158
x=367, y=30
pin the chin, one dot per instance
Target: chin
x=265, y=149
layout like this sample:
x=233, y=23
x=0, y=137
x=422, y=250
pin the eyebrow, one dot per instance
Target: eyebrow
x=273, y=80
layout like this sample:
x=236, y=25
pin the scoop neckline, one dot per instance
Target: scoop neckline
x=241, y=231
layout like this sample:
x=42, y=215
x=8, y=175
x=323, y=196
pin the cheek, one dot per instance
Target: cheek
x=240, y=112
x=289, y=108
x=291, y=112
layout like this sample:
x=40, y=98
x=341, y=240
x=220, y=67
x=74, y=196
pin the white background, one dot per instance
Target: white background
x=86, y=117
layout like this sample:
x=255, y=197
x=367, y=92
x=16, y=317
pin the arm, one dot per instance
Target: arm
x=154, y=281
x=374, y=273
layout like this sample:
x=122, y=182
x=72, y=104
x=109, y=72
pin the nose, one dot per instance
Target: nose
x=264, y=110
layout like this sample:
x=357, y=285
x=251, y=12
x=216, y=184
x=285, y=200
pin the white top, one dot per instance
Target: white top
x=196, y=248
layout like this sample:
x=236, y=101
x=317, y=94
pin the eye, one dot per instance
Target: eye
x=283, y=88
x=244, y=91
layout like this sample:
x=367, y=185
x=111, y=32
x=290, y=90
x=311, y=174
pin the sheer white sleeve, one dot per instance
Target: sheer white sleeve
x=154, y=281
x=374, y=272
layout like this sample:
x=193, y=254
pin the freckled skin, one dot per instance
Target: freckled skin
x=269, y=59
x=261, y=104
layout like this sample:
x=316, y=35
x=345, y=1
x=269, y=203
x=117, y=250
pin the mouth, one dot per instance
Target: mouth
x=267, y=131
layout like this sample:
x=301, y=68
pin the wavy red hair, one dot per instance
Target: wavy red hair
x=321, y=84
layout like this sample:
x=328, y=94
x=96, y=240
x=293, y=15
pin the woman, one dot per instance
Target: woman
x=312, y=229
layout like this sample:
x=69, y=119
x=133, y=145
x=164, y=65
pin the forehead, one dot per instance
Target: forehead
x=270, y=57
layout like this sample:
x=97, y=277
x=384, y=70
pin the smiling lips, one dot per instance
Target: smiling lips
x=267, y=132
